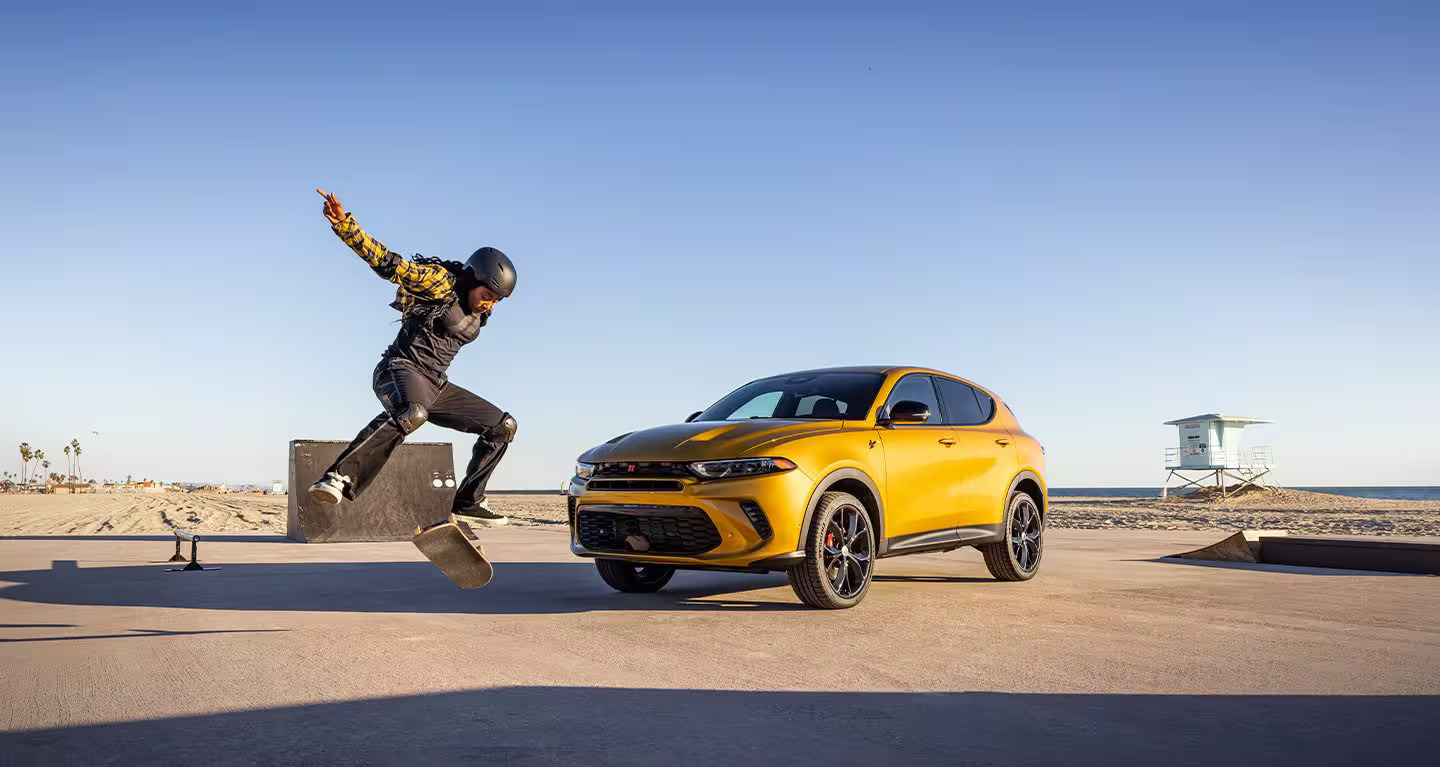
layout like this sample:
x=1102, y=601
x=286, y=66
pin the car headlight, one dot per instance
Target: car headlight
x=584, y=470
x=740, y=467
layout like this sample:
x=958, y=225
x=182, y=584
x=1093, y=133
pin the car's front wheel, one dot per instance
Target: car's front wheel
x=632, y=578
x=839, y=554
x=1017, y=558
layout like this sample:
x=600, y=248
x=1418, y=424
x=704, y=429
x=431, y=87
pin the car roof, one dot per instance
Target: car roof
x=884, y=370
x=865, y=369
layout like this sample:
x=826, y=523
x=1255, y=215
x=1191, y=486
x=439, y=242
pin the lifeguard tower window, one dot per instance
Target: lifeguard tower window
x=962, y=403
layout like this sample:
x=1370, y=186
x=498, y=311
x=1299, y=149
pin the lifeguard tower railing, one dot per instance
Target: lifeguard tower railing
x=1253, y=458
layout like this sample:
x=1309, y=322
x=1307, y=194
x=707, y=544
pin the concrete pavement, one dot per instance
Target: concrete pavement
x=363, y=653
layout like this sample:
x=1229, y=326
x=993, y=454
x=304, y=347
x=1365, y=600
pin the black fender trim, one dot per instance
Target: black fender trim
x=828, y=482
x=1042, y=502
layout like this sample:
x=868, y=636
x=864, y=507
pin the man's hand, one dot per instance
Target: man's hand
x=333, y=210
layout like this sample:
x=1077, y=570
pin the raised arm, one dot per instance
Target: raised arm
x=429, y=281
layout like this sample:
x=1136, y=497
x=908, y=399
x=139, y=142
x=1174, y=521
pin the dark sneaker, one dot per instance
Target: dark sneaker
x=330, y=489
x=480, y=515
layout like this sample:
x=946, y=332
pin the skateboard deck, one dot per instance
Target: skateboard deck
x=445, y=545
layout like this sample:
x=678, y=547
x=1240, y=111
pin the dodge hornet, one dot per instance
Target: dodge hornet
x=817, y=474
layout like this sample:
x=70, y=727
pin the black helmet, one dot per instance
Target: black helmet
x=492, y=269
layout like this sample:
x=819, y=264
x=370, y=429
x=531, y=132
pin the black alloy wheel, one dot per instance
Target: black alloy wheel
x=840, y=554
x=1017, y=558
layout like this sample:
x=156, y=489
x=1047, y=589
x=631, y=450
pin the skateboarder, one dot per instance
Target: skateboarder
x=443, y=305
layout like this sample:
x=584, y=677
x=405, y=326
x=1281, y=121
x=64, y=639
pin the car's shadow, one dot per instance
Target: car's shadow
x=389, y=587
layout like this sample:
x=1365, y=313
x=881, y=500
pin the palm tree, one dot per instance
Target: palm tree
x=39, y=459
x=75, y=443
x=25, y=456
x=69, y=466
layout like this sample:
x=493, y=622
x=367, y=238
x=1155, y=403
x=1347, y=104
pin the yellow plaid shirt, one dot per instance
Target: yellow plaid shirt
x=426, y=282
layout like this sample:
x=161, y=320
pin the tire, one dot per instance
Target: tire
x=632, y=578
x=826, y=579
x=1017, y=558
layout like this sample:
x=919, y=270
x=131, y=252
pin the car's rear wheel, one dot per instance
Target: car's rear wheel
x=839, y=554
x=632, y=578
x=1017, y=558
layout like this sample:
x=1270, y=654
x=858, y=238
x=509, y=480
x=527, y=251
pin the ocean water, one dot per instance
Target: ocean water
x=1416, y=493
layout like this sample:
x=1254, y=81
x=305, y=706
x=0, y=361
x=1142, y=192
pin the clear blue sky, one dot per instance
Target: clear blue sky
x=1113, y=214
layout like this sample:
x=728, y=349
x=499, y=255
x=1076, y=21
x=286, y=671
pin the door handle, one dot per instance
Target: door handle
x=1002, y=442
x=947, y=441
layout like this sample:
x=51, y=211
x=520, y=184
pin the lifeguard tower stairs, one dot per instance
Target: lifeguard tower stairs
x=1210, y=453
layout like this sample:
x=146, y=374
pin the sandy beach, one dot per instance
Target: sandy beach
x=1294, y=510
x=1297, y=511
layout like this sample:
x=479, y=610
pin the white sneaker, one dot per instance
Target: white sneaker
x=481, y=515
x=330, y=488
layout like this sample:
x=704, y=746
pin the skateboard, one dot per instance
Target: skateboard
x=446, y=546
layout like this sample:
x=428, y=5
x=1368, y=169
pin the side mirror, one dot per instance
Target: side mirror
x=693, y=416
x=909, y=411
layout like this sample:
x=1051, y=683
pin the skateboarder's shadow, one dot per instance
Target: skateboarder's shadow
x=389, y=587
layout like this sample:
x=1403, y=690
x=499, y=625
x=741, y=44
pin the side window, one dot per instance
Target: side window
x=987, y=405
x=963, y=405
x=917, y=388
x=762, y=406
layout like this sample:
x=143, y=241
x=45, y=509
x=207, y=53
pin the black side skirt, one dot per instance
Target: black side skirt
x=946, y=539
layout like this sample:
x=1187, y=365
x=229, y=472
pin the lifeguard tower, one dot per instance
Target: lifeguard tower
x=1209, y=452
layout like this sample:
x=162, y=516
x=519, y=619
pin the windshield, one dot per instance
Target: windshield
x=831, y=396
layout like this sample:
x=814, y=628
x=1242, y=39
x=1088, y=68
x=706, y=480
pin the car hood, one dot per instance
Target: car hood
x=705, y=441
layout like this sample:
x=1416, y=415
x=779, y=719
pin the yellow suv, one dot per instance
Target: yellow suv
x=818, y=474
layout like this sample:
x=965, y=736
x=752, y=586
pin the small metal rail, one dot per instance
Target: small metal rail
x=194, y=539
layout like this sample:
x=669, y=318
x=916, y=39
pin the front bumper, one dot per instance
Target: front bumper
x=701, y=524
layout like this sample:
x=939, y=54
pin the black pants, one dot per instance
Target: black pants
x=398, y=384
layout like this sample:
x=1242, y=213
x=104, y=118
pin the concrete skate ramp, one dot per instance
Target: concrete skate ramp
x=1351, y=553
x=1383, y=554
x=414, y=489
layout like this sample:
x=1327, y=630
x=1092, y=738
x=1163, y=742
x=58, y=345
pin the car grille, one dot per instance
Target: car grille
x=660, y=529
x=635, y=484
x=643, y=469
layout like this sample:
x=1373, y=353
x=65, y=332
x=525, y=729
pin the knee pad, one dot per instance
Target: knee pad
x=505, y=430
x=411, y=418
